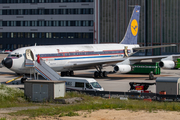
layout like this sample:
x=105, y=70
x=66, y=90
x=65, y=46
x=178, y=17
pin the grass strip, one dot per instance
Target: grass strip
x=11, y=97
x=96, y=103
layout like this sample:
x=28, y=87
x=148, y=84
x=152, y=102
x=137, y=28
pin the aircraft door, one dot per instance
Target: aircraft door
x=126, y=51
x=29, y=54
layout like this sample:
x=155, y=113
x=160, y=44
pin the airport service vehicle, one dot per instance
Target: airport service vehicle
x=77, y=83
x=140, y=87
x=68, y=58
x=177, y=64
x=146, y=68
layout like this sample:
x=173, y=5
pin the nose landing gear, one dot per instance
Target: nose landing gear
x=23, y=79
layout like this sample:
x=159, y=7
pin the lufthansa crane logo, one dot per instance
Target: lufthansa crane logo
x=134, y=27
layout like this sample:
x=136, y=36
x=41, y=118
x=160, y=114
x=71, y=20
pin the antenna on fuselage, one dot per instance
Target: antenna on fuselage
x=35, y=44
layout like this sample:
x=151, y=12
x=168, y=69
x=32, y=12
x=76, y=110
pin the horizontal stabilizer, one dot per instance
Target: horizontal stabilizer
x=152, y=47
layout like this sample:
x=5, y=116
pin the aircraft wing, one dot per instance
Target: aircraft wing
x=155, y=58
x=152, y=47
x=114, y=61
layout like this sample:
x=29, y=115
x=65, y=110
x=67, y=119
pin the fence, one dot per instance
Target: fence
x=136, y=95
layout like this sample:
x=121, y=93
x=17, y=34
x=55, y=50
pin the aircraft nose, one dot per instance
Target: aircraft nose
x=7, y=62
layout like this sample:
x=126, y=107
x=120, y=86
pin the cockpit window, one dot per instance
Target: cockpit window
x=15, y=55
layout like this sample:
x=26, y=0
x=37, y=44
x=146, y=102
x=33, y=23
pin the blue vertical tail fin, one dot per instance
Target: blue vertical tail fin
x=132, y=30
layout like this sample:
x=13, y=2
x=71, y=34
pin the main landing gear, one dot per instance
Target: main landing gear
x=67, y=73
x=99, y=72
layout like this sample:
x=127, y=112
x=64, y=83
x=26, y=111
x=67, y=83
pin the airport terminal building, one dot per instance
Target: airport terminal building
x=47, y=22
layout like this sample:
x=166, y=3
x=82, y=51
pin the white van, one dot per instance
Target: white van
x=77, y=83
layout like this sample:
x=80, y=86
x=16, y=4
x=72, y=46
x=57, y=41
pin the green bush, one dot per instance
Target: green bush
x=9, y=94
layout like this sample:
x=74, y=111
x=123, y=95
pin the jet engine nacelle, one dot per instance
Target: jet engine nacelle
x=167, y=64
x=122, y=68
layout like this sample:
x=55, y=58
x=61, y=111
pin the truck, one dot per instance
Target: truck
x=140, y=87
x=77, y=83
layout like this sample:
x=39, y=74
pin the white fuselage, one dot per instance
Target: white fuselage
x=63, y=57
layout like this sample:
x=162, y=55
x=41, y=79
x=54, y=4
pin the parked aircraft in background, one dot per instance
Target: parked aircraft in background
x=68, y=58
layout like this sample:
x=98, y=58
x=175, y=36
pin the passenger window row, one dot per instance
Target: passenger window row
x=82, y=53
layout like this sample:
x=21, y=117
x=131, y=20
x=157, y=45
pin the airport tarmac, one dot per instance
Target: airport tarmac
x=114, y=82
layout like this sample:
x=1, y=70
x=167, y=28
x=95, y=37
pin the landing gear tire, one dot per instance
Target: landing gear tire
x=104, y=74
x=100, y=74
x=23, y=79
x=63, y=74
x=67, y=73
x=71, y=73
x=96, y=74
